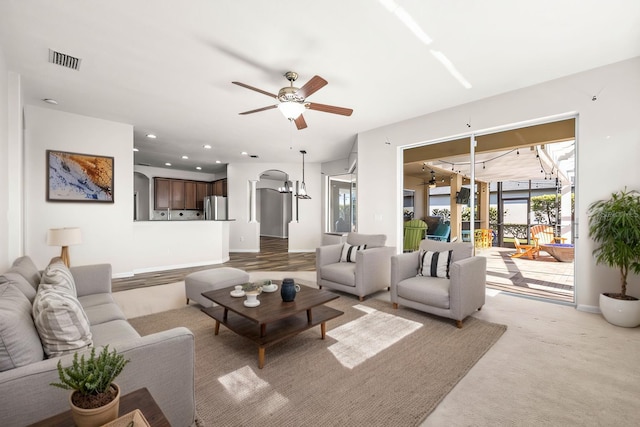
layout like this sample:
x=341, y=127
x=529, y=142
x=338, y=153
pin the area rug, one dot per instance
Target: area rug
x=377, y=367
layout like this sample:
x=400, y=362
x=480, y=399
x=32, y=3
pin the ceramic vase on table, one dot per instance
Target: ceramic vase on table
x=288, y=290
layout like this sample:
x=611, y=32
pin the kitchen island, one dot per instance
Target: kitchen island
x=165, y=245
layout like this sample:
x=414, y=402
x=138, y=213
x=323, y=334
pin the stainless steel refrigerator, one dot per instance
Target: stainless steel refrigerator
x=215, y=207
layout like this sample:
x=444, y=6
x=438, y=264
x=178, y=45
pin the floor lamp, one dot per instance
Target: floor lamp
x=64, y=237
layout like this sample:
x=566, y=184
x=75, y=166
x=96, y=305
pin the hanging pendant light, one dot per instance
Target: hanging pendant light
x=302, y=188
x=286, y=188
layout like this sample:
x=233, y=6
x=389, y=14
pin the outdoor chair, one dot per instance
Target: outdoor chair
x=441, y=233
x=414, y=232
x=360, y=267
x=530, y=251
x=541, y=233
x=442, y=278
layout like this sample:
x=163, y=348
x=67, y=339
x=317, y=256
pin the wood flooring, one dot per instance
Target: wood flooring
x=273, y=256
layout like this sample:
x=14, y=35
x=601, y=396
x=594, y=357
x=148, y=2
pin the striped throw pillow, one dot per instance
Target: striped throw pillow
x=349, y=252
x=434, y=264
x=61, y=322
x=58, y=276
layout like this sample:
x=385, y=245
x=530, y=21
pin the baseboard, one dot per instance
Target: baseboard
x=588, y=308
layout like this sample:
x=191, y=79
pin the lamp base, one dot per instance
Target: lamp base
x=64, y=255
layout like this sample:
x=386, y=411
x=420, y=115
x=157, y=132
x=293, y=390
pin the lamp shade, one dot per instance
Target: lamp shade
x=291, y=110
x=64, y=236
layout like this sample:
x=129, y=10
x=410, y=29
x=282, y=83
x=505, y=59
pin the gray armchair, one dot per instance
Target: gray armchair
x=368, y=274
x=455, y=297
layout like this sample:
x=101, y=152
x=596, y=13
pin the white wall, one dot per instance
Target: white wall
x=608, y=151
x=4, y=164
x=107, y=228
x=304, y=236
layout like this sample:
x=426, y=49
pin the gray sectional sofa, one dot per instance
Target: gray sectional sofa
x=163, y=362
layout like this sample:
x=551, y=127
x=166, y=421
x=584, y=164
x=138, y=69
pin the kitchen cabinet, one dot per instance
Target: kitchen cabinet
x=220, y=187
x=203, y=189
x=190, y=194
x=177, y=194
x=162, y=192
x=181, y=194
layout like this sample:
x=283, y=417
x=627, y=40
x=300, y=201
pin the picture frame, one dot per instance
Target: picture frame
x=77, y=177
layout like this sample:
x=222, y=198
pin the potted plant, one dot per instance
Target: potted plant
x=95, y=399
x=614, y=224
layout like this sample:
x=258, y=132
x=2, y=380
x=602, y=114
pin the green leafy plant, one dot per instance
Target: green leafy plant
x=614, y=224
x=91, y=376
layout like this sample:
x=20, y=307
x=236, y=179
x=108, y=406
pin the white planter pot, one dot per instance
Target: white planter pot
x=620, y=312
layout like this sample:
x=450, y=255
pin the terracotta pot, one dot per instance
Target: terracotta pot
x=98, y=416
x=620, y=312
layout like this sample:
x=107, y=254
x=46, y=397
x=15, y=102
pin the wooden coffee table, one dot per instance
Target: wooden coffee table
x=273, y=320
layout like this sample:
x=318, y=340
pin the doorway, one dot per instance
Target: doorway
x=273, y=210
x=505, y=172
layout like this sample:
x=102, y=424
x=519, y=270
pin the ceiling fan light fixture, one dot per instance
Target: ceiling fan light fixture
x=291, y=110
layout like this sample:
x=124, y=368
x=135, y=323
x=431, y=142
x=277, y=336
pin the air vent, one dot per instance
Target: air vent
x=64, y=60
x=253, y=156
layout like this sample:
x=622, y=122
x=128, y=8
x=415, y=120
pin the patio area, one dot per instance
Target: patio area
x=543, y=277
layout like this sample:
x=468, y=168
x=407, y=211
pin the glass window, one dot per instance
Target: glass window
x=342, y=203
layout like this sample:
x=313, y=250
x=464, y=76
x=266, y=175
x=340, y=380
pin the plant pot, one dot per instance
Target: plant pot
x=620, y=312
x=98, y=416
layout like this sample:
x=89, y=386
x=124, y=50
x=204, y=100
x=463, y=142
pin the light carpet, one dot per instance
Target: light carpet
x=377, y=367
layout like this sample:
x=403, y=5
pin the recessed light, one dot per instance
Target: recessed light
x=167, y=164
x=185, y=157
x=218, y=161
x=151, y=136
x=199, y=168
x=50, y=101
x=135, y=149
x=207, y=146
x=244, y=153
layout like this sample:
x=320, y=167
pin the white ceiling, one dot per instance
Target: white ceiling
x=166, y=67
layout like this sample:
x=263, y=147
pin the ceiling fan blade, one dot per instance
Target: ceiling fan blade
x=300, y=122
x=259, y=109
x=256, y=89
x=315, y=84
x=330, y=109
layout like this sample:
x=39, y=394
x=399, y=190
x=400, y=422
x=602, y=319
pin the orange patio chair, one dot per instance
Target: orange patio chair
x=530, y=251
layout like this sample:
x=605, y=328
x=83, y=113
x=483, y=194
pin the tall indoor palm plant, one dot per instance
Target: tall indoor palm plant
x=614, y=224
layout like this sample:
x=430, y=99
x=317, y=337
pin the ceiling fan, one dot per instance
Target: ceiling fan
x=293, y=100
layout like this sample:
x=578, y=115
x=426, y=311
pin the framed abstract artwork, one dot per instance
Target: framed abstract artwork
x=75, y=177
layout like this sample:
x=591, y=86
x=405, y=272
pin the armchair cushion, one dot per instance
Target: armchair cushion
x=349, y=252
x=434, y=264
x=342, y=272
x=426, y=290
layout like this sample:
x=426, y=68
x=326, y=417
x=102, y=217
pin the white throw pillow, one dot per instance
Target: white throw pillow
x=349, y=252
x=434, y=264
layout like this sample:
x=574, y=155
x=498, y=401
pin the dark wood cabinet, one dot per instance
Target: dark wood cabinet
x=190, y=193
x=162, y=190
x=177, y=194
x=220, y=187
x=203, y=189
x=182, y=194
